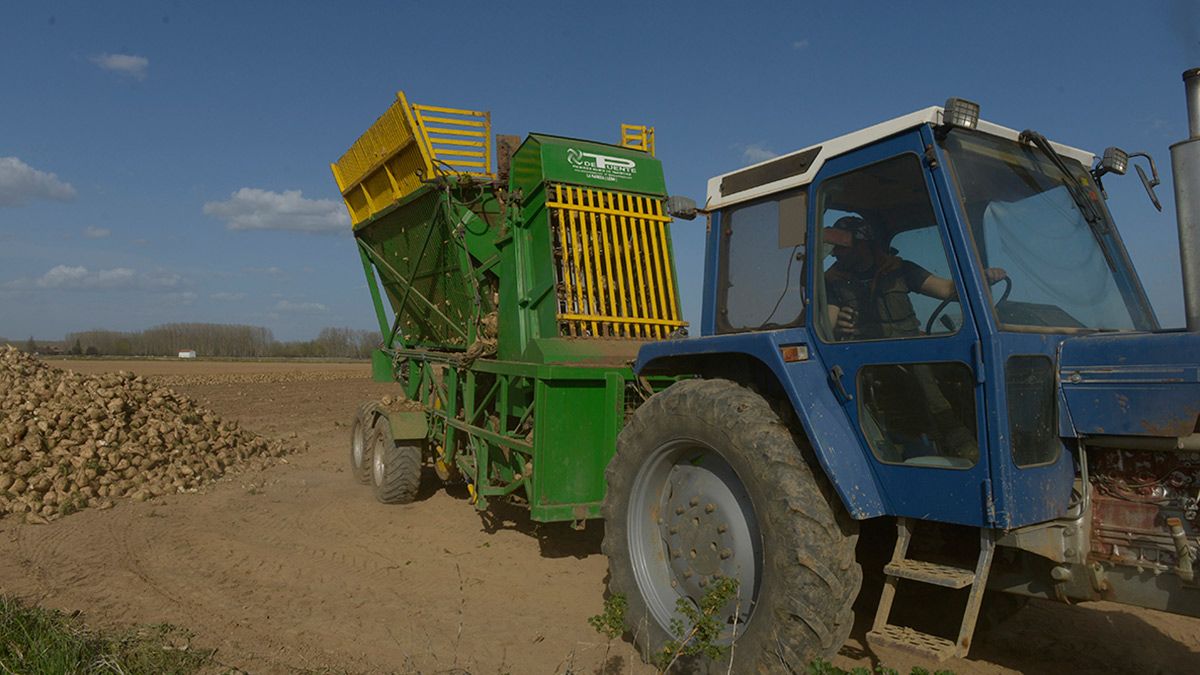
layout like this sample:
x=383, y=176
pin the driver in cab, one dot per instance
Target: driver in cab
x=867, y=287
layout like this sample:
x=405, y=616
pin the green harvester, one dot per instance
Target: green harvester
x=511, y=303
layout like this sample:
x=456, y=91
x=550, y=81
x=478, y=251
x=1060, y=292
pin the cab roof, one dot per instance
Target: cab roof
x=798, y=168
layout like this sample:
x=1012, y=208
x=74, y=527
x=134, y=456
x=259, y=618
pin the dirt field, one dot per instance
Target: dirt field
x=298, y=568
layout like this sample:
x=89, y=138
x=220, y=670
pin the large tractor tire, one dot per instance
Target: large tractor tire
x=360, y=446
x=395, y=468
x=708, y=482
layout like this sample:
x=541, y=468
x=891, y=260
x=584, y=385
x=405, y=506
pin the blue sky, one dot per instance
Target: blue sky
x=168, y=161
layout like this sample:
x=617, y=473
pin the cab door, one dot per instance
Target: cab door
x=905, y=369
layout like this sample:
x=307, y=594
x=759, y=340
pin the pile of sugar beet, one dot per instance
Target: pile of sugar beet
x=70, y=441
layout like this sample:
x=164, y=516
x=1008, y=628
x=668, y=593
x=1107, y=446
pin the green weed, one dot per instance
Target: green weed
x=34, y=640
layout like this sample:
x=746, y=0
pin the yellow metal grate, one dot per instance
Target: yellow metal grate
x=408, y=143
x=457, y=141
x=638, y=137
x=384, y=165
x=615, y=277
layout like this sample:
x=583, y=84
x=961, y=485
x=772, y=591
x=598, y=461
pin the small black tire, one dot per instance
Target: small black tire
x=800, y=539
x=395, y=468
x=360, y=445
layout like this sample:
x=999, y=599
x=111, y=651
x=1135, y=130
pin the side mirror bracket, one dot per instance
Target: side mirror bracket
x=1148, y=183
x=1116, y=161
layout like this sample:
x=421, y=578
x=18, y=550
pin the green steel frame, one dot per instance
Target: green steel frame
x=542, y=434
x=467, y=270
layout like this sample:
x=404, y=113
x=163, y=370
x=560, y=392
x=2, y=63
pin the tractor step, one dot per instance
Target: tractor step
x=888, y=635
x=902, y=638
x=930, y=573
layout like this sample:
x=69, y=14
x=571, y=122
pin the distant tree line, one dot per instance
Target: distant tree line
x=214, y=339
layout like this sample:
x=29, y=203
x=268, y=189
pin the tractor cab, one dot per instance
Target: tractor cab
x=931, y=266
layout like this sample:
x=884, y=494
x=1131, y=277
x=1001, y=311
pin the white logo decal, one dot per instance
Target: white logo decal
x=601, y=167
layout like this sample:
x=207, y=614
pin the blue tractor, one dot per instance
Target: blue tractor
x=931, y=323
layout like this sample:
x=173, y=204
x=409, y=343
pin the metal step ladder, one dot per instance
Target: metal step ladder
x=890, y=636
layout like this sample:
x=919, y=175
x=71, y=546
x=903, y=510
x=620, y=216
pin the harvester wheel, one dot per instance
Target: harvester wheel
x=360, y=446
x=708, y=482
x=395, y=468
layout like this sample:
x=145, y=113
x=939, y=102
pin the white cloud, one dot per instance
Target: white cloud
x=124, y=64
x=80, y=278
x=800, y=44
x=61, y=276
x=255, y=209
x=227, y=297
x=755, y=153
x=93, y=232
x=269, y=271
x=300, y=307
x=21, y=184
x=114, y=278
x=181, y=298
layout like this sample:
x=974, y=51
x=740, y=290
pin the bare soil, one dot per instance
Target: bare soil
x=297, y=568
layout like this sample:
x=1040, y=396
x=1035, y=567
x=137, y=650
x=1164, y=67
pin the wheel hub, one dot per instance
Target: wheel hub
x=706, y=530
x=697, y=535
x=696, y=525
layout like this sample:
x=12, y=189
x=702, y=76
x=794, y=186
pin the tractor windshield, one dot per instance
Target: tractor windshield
x=1060, y=271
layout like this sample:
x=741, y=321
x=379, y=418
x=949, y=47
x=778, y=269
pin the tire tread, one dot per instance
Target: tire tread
x=812, y=612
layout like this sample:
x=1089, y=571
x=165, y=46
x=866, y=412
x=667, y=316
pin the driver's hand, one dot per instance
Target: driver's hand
x=994, y=274
x=843, y=327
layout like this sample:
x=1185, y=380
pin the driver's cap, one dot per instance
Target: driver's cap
x=847, y=229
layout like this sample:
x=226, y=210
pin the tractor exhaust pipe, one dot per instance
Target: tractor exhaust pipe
x=1185, y=165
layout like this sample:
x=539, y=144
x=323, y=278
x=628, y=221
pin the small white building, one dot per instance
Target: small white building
x=187, y=353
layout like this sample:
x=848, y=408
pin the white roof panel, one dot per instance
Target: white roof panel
x=843, y=144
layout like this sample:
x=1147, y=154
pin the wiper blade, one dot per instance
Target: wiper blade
x=1090, y=212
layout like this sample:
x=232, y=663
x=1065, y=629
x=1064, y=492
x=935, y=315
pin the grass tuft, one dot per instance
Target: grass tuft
x=35, y=640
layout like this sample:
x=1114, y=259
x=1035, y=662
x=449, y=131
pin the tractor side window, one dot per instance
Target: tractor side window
x=761, y=280
x=885, y=273
x=920, y=414
x=1032, y=417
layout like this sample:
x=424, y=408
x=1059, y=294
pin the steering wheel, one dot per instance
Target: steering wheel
x=946, y=303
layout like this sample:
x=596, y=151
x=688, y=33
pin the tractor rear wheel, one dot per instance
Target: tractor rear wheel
x=708, y=482
x=395, y=468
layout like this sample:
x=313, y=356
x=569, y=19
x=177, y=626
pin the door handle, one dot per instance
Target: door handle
x=835, y=376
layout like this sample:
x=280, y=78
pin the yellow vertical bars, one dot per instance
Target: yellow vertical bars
x=648, y=266
x=590, y=278
x=576, y=231
x=487, y=144
x=614, y=264
x=610, y=278
x=623, y=329
x=635, y=329
x=564, y=259
x=641, y=305
x=668, y=280
x=601, y=308
x=652, y=266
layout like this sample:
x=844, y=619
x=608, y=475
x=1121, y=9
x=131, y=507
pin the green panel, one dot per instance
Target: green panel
x=431, y=252
x=381, y=366
x=579, y=162
x=575, y=350
x=575, y=437
x=409, y=425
